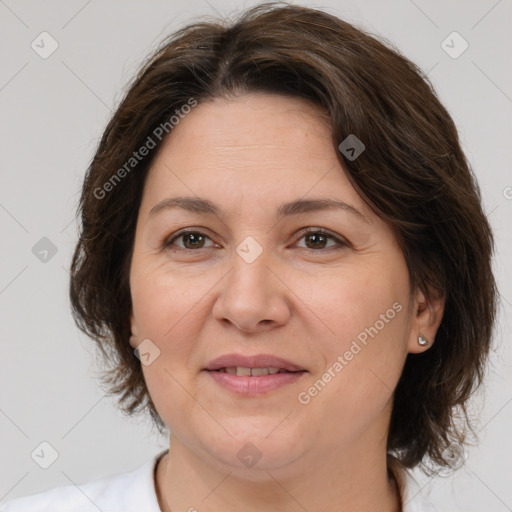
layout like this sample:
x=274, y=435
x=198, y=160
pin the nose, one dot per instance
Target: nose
x=253, y=297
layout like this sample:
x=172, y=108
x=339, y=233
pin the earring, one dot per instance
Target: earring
x=422, y=340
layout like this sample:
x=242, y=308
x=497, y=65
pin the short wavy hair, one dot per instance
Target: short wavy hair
x=413, y=174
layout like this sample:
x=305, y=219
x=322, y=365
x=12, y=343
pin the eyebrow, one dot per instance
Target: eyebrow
x=203, y=206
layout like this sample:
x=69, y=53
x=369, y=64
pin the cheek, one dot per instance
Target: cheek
x=165, y=313
x=168, y=396
x=364, y=353
x=369, y=303
x=164, y=301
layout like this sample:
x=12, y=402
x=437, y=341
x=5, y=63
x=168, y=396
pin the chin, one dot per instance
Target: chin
x=257, y=444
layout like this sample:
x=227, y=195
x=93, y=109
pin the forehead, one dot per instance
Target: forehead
x=256, y=147
x=248, y=125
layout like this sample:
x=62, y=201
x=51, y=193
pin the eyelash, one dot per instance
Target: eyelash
x=168, y=242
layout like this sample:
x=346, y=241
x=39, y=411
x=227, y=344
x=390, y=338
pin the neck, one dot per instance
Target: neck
x=339, y=483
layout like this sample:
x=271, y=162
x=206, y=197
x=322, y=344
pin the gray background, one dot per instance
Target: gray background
x=53, y=112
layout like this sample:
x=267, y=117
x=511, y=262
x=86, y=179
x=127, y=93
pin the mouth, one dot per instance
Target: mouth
x=255, y=365
x=253, y=375
x=242, y=371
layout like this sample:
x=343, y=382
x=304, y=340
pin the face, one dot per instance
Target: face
x=326, y=290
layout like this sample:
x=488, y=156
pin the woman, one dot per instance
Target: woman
x=283, y=252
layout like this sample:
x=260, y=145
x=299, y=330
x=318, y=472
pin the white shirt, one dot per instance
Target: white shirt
x=135, y=492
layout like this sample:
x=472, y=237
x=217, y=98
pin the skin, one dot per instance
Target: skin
x=302, y=299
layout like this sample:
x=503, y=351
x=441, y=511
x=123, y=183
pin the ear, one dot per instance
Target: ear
x=426, y=318
x=134, y=338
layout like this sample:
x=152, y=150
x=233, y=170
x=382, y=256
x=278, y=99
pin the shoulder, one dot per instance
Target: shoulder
x=126, y=492
x=413, y=497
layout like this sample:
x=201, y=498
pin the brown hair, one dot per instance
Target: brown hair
x=413, y=174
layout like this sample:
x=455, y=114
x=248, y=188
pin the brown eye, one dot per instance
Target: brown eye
x=318, y=238
x=190, y=240
x=193, y=240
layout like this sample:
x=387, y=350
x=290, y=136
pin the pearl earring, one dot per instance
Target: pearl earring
x=422, y=340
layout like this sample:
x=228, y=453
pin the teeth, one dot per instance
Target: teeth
x=259, y=371
x=255, y=372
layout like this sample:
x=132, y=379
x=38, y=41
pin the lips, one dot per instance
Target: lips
x=252, y=376
x=227, y=362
